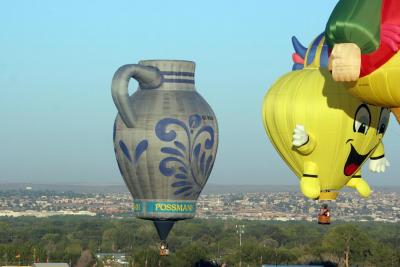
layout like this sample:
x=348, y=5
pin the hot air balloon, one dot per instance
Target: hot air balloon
x=323, y=133
x=165, y=140
x=365, y=40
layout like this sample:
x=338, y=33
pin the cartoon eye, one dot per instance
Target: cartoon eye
x=362, y=119
x=383, y=121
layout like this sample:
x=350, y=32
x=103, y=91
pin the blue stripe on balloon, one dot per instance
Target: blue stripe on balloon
x=202, y=162
x=184, y=189
x=180, y=176
x=311, y=55
x=140, y=148
x=182, y=169
x=125, y=150
x=180, y=146
x=178, y=81
x=173, y=151
x=197, y=150
x=297, y=66
x=313, y=49
x=209, y=141
x=298, y=47
x=180, y=183
x=176, y=73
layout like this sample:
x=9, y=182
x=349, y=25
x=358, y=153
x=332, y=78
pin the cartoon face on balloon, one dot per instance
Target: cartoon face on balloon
x=363, y=125
x=323, y=133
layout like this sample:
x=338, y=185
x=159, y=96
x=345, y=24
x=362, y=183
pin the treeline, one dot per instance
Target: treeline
x=63, y=239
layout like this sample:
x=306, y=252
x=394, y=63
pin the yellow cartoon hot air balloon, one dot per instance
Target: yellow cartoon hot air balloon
x=321, y=131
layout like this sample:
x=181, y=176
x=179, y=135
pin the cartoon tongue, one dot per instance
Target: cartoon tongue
x=350, y=169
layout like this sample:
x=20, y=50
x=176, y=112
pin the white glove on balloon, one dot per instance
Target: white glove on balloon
x=378, y=165
x=300, y=136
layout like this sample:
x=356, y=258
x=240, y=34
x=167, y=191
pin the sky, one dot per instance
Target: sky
x=57, y=59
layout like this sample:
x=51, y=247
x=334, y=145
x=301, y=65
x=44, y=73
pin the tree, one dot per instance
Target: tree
x=5, y=232
x=109, y=240
x=72, y=252
x=191, y=254
x=49, y=241
x=85, y=260
x=201, y=241
x=345, y=241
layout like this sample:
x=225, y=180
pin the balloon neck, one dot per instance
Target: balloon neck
x=175, y=74
x=328, y=195
x=163, y=228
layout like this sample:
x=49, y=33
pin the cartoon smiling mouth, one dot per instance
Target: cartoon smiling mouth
x=354, y=161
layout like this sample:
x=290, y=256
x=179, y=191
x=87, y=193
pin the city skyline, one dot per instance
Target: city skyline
x=262, y=206
x=59, y=58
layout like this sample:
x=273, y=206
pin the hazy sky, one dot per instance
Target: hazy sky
x=58, y=57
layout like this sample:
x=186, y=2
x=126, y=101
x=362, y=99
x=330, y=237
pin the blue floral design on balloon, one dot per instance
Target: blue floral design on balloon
x=189, y=163
x=141, y=147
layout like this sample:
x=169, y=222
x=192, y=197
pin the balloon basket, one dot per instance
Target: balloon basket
x=322, y=219
x=164, y=251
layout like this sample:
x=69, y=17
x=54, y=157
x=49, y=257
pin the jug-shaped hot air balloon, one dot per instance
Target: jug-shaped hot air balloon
x=165, y=140
x=321, y=131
